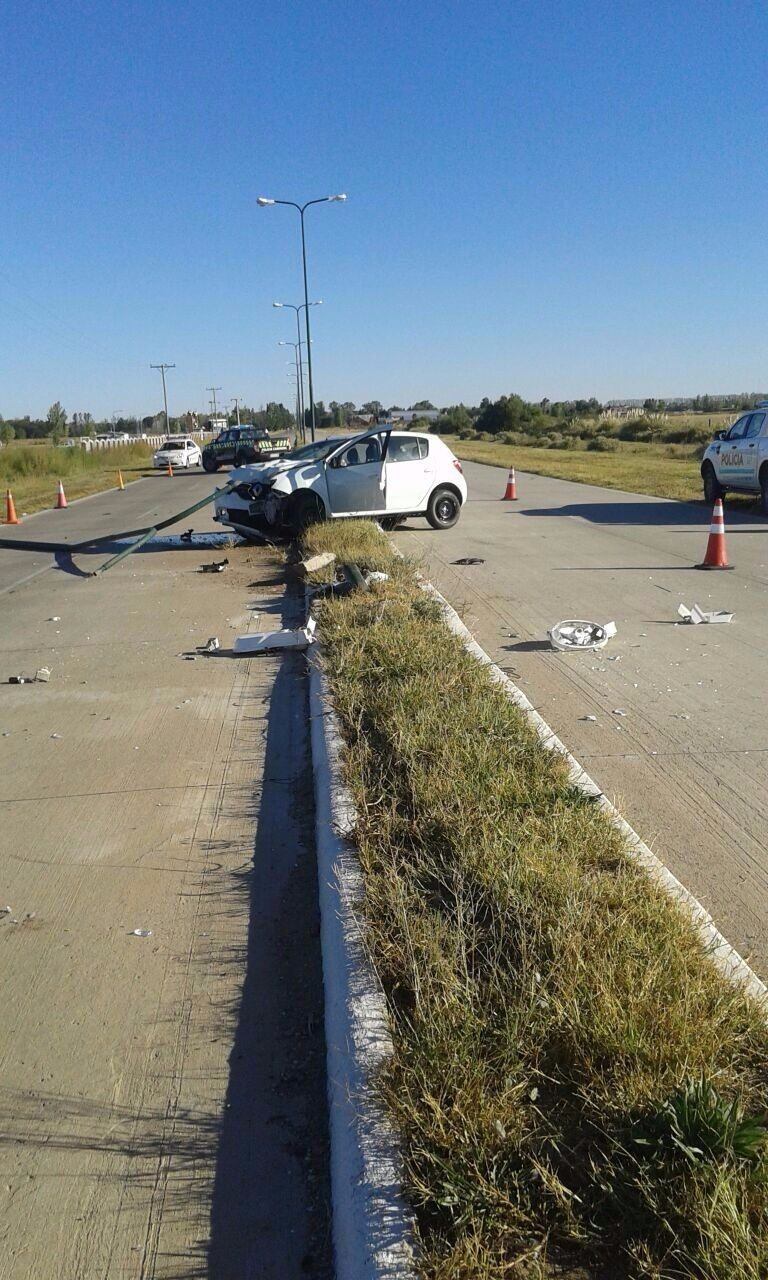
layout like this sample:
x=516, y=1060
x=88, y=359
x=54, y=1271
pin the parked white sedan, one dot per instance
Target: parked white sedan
x=383, y=473
x=179, y=451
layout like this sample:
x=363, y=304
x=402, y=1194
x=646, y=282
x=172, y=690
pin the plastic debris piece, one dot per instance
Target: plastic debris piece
x=56, y=618
x=216, y=566
x=619, y=711
x=141, y=933
x=592, y=718
x=263, y=641
x=577, y=633
x=55, y=735
x=5, y=911
x=696, y=615
x=43, y=674
x=211, y=644
x=375, y=575
x=469, y=560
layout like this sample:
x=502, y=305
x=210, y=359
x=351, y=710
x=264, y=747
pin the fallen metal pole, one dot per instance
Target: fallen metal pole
x=126, y=551
x=161, y=524
x=143, y=536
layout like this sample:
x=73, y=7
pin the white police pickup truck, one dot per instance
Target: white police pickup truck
x=737, y=459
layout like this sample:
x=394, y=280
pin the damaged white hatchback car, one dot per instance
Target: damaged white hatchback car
x=383, y=473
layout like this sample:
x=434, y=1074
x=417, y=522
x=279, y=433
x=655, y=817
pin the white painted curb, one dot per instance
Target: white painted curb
x=726, y=958
x=372, y=1226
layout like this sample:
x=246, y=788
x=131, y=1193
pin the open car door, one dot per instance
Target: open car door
x=355, y=477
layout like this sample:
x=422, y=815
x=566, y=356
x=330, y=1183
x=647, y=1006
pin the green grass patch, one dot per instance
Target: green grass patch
x=578, y=1090
x=32, y=472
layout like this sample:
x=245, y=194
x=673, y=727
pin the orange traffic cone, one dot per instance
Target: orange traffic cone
x=170, y=469
x=10, y=510
x=510, y=494
x=716, y=556
x=61, y=498
x=120, y=484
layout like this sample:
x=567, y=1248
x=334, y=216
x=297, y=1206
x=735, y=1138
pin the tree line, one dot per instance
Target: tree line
x=507, y=414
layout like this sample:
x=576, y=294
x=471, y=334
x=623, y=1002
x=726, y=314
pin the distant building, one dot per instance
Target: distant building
x=408, y=415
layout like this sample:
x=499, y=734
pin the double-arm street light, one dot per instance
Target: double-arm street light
x=264, y=201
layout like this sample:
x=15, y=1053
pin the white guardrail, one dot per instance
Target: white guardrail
x=89, y=444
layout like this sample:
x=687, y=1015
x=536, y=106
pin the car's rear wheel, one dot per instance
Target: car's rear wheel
x=210, y=464
x=712, y=487
x=444, y=509
x=306, y=509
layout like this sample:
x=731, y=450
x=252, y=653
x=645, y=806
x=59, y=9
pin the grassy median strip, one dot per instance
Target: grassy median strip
x=32, y=472
x=579, y=1091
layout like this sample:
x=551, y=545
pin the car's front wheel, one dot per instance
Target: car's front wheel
x=210, y=464
x=444, y=509
x=712, y=487
x=306, y=509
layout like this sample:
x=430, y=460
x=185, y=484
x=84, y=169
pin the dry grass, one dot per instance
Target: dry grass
x=32, y=471
x=643, y=468
x=548, y=1003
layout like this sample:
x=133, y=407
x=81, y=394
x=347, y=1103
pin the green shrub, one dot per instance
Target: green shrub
x=602, y=444
x=637, y=429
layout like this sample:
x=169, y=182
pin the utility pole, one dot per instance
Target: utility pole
x=235, y=400
x=213, y=391
x=162, y=368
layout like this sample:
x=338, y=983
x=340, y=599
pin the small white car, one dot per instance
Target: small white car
x=180, y=451
x=382, y=473
x=737, y=459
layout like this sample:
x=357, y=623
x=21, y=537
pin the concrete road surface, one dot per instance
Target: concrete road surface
x=688, y=762
x=162, y=1097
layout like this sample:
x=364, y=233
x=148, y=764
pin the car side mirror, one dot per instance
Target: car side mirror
x=720, y=435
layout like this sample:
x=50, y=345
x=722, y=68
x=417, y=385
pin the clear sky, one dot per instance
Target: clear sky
x=550, y=197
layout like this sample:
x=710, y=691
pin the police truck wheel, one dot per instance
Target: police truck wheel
x=764, y=491
x=712, y=487
x=210, y=465
x=444, y=509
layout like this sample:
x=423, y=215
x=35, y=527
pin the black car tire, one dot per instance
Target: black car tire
x=306, y=509
x=210, y=464
x=712, y=487
x=444, y=509
x=764, y=491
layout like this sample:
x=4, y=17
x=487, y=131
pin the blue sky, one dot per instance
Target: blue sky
x=551, y=198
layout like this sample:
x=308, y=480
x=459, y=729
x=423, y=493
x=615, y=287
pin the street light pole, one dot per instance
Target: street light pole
x=162, y=368
x=299, y=379
x=302, y=307
x=302, y=208
x=235, y=400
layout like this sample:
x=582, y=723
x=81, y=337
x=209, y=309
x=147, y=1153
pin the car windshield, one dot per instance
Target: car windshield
x=173, y=444
x=318, y=449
